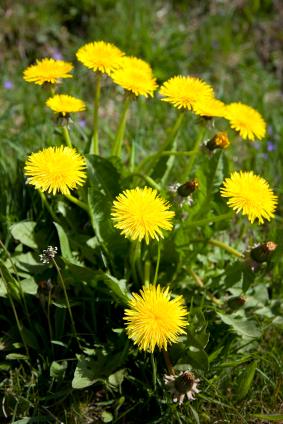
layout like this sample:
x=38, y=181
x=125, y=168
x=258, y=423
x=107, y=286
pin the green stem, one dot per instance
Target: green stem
x=157, y=264
x=195, y=151
x=94, y=147
x=49, y=321
x=205, y=221
x=198, y=281
x=146, y=280
x=117, y=145
x=77, y=202
x=177, y=153
x=149, y=163
x=168, y=362
x=19, y=325
x=153, y=363
x=226, y=247
x=135, y=256
x=67, y=300
x=217, y=243
x=46, y=204
x=148, y=180
x=67, y=136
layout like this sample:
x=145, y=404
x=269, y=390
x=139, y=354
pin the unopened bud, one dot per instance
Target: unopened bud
x=219, y=141
x=262, y=252
x=187, y=188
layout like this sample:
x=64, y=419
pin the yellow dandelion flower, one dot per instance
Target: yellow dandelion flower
x=251, y=195
x=100, y=56
x=219, y=141
x=56, y=169
x=246, y=121
x=209, y=107
x=135, y=75
x=47, y=70
x=64, y=104
x=141, y=214
x=154, y=319
x=185, y=92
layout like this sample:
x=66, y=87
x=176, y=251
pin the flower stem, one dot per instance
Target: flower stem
x=46, y=204
x=226, y=247
x=198, y=281
x=195, y=151
x=205, y=221
x=67, y=136
x=135, y=255
x=94, y=147
x=77, y=202
x=67, y=300
x=49, y=320
x=153, y=363
x=157, y=264
x=149, y=163
x=117, y=146
x=146, y=280
x=148, y=180
x=168, y=362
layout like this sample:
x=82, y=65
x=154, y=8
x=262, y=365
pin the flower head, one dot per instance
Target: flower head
x=135, y=75
x=56, y=169
x=219, y=141
x=64, y=104
x=183, y=384
x=246, y=120
x=141, y=213
x=48, y=254
x=209, y=107
x=154, y=319
x=251, y=195
x=47, y=70
x=186, y=92
x=100, y=56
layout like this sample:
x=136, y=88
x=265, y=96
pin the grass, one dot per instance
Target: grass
x=48, y=373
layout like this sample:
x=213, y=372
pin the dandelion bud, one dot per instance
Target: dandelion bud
x=262, y=252
x=188, y=188
x=219, y=141
x=181, y=385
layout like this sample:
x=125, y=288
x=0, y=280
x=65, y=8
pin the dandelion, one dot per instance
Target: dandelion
x=154, y=319
x=251, y=195
x=246, y=121
x=141, y=214
x=47, y=71
x=186, y=92
x=209, y=107
x=100, y=56
x=65, y=104
x=219, y=141
x=135, y=76
x=183, y=384
x=56, y=169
